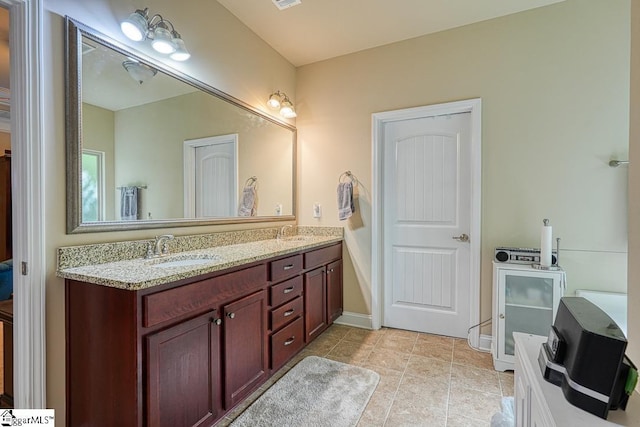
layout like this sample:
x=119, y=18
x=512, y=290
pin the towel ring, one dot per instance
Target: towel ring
x=347, y=175
x=251, y=182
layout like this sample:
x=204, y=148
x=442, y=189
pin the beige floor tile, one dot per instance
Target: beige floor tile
x=475, y=379
x=323, y=344
x=389, y=379
x=397, y=343
x=422, y=391
x=428, y=367
x=338, y=331
x=404, y=413
x=506, y=382
x=377, y=409
x=350, y=352
x=434, y=346
x=465, y=355
x=473, y=404
x=460, y=421
x=402, y=333
x=364, y=336
x=388, y=359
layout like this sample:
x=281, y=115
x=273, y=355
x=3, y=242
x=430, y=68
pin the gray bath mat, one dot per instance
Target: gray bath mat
x=316, y=392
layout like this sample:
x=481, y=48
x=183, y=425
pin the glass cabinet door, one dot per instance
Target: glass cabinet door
x=529, y=303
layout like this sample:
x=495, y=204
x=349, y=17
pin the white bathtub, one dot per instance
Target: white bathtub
x=614, y=304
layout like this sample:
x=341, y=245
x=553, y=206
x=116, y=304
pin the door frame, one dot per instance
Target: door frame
x=189, y=158
x=473, y=106
x=27, y=148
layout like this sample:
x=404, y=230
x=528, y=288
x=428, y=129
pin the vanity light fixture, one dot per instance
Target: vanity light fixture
x=279, y=100
x=159, y=31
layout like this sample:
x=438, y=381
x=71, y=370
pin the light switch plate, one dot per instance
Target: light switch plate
x=317, y=210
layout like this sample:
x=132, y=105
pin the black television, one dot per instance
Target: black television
x=585, y=356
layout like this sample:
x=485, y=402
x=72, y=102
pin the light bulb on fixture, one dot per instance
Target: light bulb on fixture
x=279, y=100
x=159, y=31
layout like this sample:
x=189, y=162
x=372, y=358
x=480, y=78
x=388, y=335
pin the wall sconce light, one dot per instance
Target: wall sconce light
x=279, y=100
x=163, y=36
x=138, y=71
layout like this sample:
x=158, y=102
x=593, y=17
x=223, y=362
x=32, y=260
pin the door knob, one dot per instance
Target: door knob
x=461, y=238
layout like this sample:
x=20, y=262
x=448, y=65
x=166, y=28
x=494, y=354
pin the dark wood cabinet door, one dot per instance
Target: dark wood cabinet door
x=315, y=303
x=183, y=374
x=245, y=346
x=334, y=291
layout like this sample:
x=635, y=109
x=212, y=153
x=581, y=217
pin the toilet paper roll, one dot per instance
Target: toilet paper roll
x=545, y=244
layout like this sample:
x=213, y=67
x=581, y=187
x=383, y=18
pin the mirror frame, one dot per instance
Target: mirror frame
x=73, y=123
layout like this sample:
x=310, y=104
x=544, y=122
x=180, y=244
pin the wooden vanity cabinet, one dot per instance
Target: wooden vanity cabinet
x=185, y=353
x=334, y=291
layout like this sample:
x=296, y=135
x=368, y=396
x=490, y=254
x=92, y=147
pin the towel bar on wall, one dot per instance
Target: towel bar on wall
x=349, y=175
x=142, y=187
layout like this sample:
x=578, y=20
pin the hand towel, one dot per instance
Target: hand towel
x=128, y=203
x=346, y=208
x=248, y=202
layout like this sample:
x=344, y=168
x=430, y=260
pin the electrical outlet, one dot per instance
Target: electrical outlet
x=279, y=209
x=317, y=210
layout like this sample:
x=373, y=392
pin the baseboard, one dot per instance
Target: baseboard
x=485, y=342
x=355, y=319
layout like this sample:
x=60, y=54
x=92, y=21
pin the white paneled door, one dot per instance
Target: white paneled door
x=427, y=216
x=211, y=176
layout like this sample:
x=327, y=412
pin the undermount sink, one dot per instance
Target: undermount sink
x=185, y=261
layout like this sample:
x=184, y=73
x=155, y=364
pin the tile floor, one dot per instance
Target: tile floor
x=425, y=380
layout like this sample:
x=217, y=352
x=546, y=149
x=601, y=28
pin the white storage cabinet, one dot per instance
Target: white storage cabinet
x=525, y=299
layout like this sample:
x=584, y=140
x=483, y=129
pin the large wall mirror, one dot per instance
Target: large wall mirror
x=149, y=146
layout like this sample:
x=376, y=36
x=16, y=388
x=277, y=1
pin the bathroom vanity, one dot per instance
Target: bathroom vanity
x=185, y=352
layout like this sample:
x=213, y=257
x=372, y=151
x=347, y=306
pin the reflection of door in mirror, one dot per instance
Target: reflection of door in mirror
x=211, y=176
x=93, y=187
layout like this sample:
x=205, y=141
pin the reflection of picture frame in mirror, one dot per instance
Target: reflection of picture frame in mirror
x=140, y=123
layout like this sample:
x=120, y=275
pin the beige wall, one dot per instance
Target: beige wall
x=634, y=189
x=5, y=141
x=153, y=155
x=226, y=55
x=554, y=84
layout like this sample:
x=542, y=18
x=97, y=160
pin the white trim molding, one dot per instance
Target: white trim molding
x=355, y=319
x=26, y=23
x=472, y=106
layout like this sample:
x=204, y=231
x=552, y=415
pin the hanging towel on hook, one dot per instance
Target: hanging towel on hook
x=129, y=203
x=346, y=208
x=248, y=201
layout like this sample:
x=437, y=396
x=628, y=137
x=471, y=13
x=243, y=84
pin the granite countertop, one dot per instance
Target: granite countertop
x=141, y=273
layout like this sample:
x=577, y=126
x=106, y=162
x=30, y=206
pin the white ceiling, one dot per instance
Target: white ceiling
x=320, y=29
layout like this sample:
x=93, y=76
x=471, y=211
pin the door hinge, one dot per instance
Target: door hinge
x=24, y=268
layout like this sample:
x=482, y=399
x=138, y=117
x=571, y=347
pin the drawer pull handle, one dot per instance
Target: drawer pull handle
x=288, y=313
x=288, y=267
x=231, y=315
x=289, y=289
x=290, y=341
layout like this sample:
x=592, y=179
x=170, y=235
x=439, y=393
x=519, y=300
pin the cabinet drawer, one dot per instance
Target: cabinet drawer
x=322, y=256
x=284, y=314
x=285, y=291
x=286, y=267
x=286, y=343
x=173, y=303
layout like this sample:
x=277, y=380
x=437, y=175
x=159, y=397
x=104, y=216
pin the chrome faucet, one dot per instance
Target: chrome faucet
x=283, y=230
x=160, y=246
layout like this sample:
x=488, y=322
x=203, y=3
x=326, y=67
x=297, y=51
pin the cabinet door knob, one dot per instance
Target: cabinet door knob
x=231, y=315
x=290, y=341
x=287, y=290
x=217, y=321
x=288, y=313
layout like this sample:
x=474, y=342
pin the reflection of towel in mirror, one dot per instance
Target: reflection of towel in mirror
x=129, y=203
x=346, y=208
x=248, y=202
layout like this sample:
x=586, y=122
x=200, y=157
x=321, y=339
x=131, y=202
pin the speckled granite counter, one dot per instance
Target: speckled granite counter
x=122, y=264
